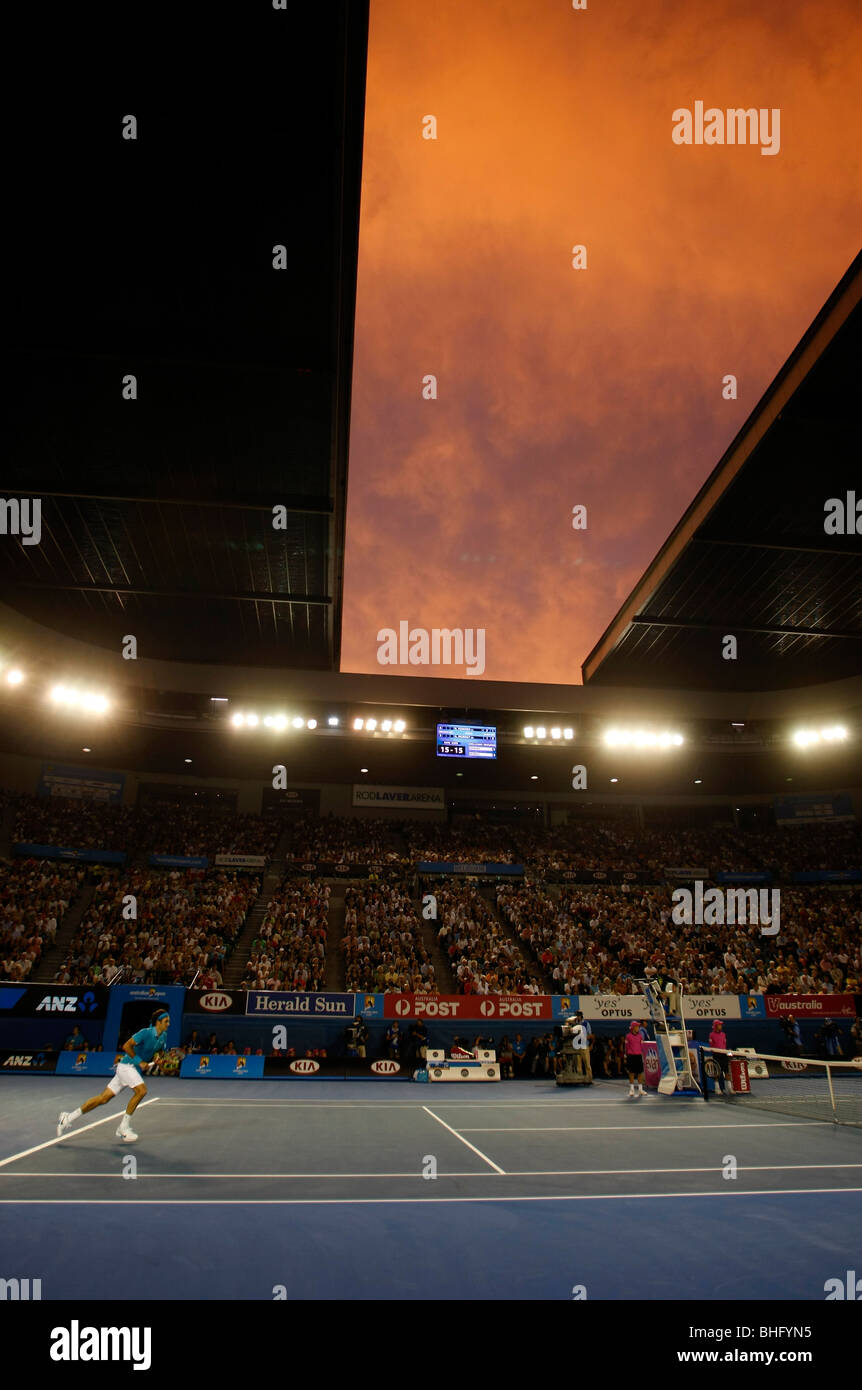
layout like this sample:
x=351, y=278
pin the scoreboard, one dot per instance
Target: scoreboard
x=466, y=741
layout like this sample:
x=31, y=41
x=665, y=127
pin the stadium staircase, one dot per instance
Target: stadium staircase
x=48, y=967
x=334, y=977
x=238, y=960
x=234, y=969
x=446, y=982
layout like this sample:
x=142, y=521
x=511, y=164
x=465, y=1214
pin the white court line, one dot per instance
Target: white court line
x=69, y=1133
x=478, y=1173
x=484, y=1157
x=666, y=1129
x=402, y=1201
x=396, y=1104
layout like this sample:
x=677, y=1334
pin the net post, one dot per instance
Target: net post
x=831, y=1094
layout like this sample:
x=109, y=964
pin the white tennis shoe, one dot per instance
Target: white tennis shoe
x=63, y=1123
x=127, y=1133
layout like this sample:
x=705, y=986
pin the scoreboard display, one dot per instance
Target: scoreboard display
x=466, y=741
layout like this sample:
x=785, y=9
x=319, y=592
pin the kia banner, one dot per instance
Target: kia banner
x=457, y=1006
x=335, y=1069
x=215, y=1001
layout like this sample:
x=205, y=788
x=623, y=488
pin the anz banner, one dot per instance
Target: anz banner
x=221, y=1066
x=27, y=1061
x=54, y=1001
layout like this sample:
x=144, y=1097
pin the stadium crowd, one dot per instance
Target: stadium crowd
x=151, y=828
x=34, y=896
x=290, y=952
x=463, y=843
x=186, y=920
x=602, y=940
x=484, y=959
x=382, y=942
x=345, y=840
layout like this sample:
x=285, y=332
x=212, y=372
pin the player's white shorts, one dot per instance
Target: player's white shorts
x=126, y=1075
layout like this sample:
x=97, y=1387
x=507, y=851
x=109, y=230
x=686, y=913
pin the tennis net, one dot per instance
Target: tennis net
x=805, y=1087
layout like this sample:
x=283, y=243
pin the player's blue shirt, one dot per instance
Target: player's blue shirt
x=147, y=1043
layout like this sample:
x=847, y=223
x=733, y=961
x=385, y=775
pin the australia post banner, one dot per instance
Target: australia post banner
x=285, y=1004
x=810, y=1005
x=457, y=1006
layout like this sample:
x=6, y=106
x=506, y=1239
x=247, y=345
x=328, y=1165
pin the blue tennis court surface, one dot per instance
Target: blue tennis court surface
x=315, y=1190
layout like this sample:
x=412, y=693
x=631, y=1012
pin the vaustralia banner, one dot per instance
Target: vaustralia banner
x=429, y=798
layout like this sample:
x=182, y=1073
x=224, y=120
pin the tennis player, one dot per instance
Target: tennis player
x=141, y=1050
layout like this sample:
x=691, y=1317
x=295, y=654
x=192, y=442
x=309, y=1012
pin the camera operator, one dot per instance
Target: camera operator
x=581, y=1045
x=356, y=1036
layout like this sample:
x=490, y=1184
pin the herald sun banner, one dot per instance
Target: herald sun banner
x=496, y=1007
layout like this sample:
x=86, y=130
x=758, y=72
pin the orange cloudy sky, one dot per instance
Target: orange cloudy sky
x=555, y=386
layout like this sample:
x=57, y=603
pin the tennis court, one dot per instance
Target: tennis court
x=325, y=1190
